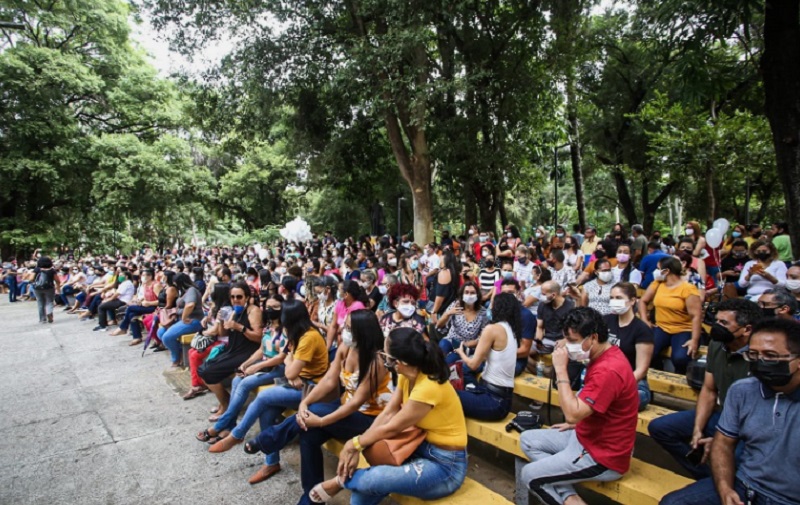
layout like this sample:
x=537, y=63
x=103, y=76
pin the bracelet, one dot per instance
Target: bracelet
x=357, y=444
x=563, y=381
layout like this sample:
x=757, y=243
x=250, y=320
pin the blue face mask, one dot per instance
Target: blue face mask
x=237, y=309
x=414, y=265
x=736, y=234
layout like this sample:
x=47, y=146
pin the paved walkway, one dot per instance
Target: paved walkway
x=87, y=420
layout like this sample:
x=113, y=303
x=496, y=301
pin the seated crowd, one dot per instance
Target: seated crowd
x=377, y=339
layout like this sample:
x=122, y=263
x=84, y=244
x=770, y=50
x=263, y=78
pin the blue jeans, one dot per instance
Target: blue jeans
x=431, y=473
x=65, y=292
x=680, y=358
x=267, y=408
x=169, y=336
x=240, y=390
x=134, y=311
x=673, y=432
x=311, y=460
x=703, y=492
x=11, y=282
x=645, y=395
x=480, y=403
x=81, y=298
x=25, y=288
x=94, y=305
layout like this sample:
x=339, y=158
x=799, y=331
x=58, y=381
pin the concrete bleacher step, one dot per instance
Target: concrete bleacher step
x=701, y=351
x=644, y=484
x=470, y=492
x=535, y=388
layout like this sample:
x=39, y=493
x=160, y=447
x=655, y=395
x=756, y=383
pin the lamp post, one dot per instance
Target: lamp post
x=555, y=176
x=399, y=228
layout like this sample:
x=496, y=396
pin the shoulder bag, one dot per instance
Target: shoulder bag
x=395, y=451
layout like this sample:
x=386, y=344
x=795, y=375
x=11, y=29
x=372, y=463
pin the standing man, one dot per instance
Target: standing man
x=596, y=441
x=682, y=432
x=590, y=242
x=762, y=414
x=639, y=244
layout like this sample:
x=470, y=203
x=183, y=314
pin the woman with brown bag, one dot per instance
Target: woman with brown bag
x=425, y=400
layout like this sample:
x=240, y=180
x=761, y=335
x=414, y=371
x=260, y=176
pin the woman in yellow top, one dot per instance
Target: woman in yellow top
x=424, y=398
x=679, y=313
x=306, y=361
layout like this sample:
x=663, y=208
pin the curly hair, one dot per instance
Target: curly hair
x=400, y=290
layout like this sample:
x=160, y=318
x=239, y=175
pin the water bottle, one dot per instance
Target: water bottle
x=539, y=369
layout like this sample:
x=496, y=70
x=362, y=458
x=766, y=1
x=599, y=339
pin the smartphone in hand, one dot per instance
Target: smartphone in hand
x=695, y=456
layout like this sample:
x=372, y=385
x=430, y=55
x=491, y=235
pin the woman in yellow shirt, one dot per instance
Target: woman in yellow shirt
x=306, y=361
x=424, y=398
x=679, y=313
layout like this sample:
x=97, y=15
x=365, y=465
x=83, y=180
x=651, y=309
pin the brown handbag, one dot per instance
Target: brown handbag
x=167, y=317
x=395, y=451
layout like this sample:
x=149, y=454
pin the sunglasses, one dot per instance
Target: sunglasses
x=237, y=297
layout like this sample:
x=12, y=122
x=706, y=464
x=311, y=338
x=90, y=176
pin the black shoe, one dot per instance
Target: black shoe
x=99, y=328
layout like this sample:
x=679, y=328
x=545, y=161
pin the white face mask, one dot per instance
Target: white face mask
x=605, y=276
x=618, y=306
x=483, y=238
x=470, y=299
x=192, y=277
x=690, y=231
x=281, y=270
x=392, y=262
x=382, y=289
x=659, y=275
x=576, y=352
x=547, y=299
x=322, y=296
x=347, y=338
x=251, y=278
x=303, y=290
x=510, y=235
x=793, y=285
x=406, y=310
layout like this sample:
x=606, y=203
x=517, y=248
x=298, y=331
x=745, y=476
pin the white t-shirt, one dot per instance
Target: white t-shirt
x=635, y=277
x=430, y=262
x=523, y=272
x=126, y=291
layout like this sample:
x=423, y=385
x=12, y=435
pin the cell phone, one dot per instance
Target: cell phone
x=281, y=381
x=695, y=456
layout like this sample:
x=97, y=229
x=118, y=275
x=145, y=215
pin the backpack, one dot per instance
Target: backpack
x=41, y=281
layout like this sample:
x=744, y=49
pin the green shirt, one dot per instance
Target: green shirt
x=784, y=246
x=726, y=367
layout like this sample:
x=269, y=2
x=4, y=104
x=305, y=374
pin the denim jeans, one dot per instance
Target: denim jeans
x=45, y=298
x=169, y=336
x=267, y=408
x=645, y=395
x=65, y=292
x=134, y=311
x=480, y=403
x=240, y=390
x=558, y=460
x=24, y=288
x=311, y=459
x=95, y=304
x=680, y=358
x=673, y=432
x=81, y=298
x=431, y=473
x=11, y=282
x=703, y=492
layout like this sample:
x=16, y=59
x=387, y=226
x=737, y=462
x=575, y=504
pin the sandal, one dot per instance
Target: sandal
x=214, y=410
x=322, y=495
x=204, y=436
x=214, y=418
x=194, y=392
x=159, y=348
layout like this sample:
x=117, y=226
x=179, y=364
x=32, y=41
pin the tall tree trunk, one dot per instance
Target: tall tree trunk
x=470, y=207
x=575, y=149
x=712, y=201
x=781, y=70
x=625, y=200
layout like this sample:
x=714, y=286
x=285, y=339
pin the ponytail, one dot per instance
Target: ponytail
x=434, y=365
x=408, y=345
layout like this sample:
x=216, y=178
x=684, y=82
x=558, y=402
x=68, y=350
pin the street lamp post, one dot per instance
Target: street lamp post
x=555, y=176
x=399, y=228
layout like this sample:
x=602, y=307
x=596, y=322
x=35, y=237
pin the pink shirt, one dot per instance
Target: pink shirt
x=342, y=311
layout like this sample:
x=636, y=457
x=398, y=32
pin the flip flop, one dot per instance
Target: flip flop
x=203, y=436
x=214, y=418
x=214, y=410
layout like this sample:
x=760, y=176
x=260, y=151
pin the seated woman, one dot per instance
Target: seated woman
x=306, y=361
x=624, y=271
x=167, y=299
x=260, y=369
x=403, y=300
x=597, y=292
x=121, y=296
x=464, y=321
x=631, y=335
x=490, y=399
x=763, y=272
x=244, y=329
x=220, y=311
x=190, y=315
x=365, y=396
x=424, y=398
x=144, y=303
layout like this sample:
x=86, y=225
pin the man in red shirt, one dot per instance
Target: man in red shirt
x=596, y=441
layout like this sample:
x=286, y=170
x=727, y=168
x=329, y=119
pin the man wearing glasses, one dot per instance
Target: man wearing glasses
x=762, y=413
x=778, y=302
x=687, y=434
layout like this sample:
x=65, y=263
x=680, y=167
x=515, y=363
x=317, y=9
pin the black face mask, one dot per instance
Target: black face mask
x=771, y=374
x=273, y=314
x=721, y=334
x=768, y=311
x=763, y=256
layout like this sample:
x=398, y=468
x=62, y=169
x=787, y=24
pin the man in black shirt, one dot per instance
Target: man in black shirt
x=553, y=307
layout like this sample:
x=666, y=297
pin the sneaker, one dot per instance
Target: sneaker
x=99, y=328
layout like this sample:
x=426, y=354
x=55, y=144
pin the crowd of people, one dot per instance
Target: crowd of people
x=370, y=339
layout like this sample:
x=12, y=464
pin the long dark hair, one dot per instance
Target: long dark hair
x=506, y=308
x=450, y=263
x=295, y=318
x=356, y=292
x=183, y=283
x=221, y=296
x=368, y=337
x=408, y=345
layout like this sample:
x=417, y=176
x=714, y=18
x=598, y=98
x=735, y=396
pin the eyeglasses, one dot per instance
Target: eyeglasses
x=768, y=358
x=237, y=297
x=389, y=361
